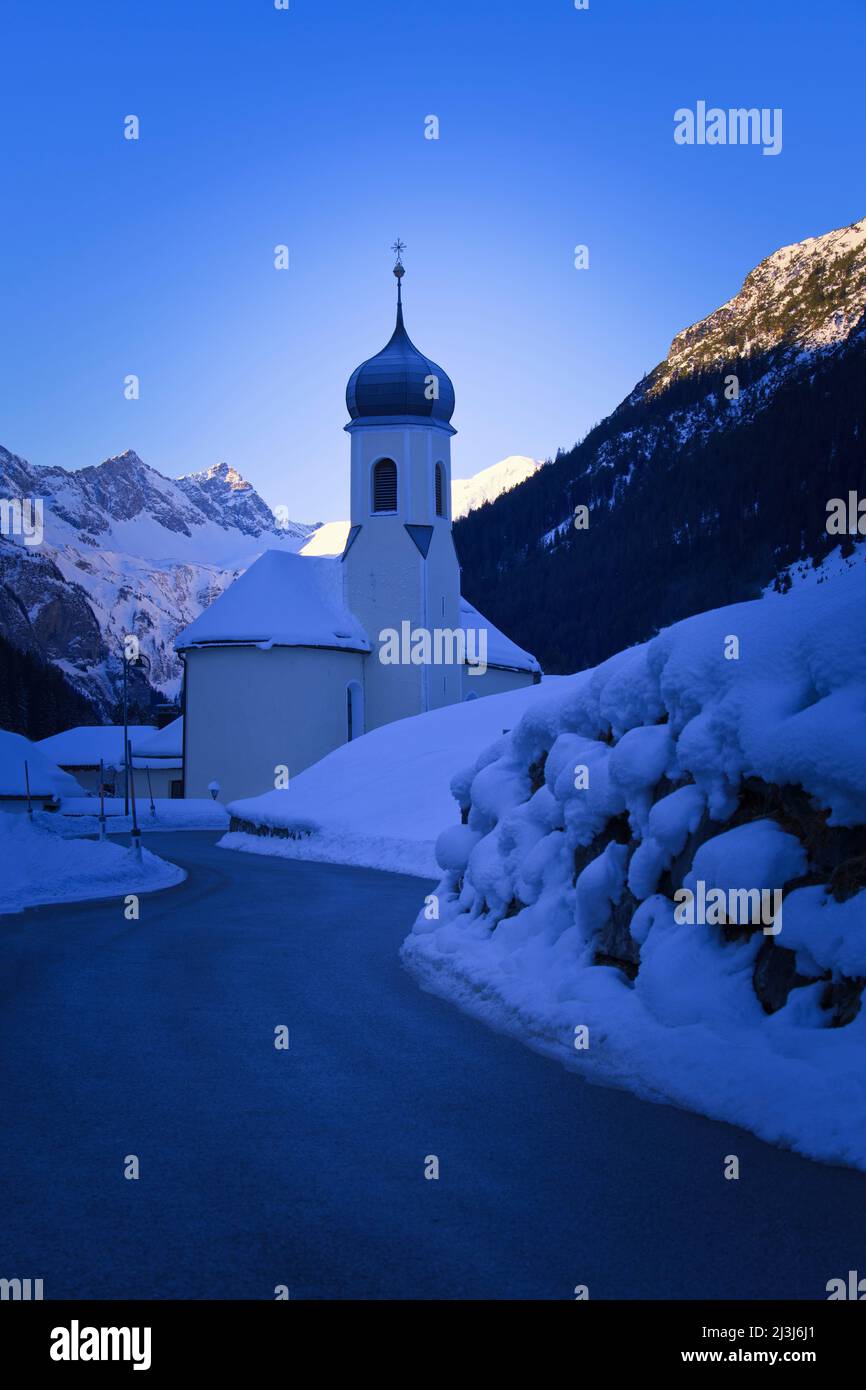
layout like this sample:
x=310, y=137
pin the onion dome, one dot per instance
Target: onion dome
x=400, y=380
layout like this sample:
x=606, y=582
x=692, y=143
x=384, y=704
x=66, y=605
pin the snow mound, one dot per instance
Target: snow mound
x=42, y=866
x=79, y=815
x=661, y=875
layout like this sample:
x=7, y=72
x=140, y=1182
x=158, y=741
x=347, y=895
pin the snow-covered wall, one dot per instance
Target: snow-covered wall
x=594, y=897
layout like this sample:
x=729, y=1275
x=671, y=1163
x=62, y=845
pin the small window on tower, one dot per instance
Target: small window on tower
x=440, y=490
x=385, y=486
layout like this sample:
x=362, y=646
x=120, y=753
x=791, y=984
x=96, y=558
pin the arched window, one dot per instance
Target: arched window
x=440, y=490
x=385, y=486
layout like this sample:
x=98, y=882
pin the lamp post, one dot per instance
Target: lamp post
x=125, y=742
x=130, y=655
x=101, y=800
x=135, y=833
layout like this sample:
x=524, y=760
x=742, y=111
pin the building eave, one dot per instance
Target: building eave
x=398, y=422
x=266, y=643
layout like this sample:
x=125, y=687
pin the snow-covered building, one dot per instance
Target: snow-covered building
x=157, y=761
x=305, y=652
x=79, y=752
x=23, y=763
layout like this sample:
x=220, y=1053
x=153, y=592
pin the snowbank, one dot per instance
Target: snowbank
x=381, y=800
x=40, y=866
x=612, y=840
x=81, y=814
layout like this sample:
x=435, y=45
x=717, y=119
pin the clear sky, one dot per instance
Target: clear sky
x=306, y=127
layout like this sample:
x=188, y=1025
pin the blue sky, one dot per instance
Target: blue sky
x=306, y=127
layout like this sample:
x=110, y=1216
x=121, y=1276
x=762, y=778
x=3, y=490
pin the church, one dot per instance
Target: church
x=304, y=653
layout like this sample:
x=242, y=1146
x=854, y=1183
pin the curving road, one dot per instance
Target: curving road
x=305, y=1167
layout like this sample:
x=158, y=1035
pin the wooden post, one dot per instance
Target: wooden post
x=135, y=833
x=101, y=800
x=27, y=785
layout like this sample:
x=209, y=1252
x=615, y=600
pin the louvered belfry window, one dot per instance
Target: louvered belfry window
x=385, y=486
x=440, y=510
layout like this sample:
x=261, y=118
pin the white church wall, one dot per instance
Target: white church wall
x=416, y=448
x=387, y=580
x=383, y=585
x=251, y=711
x=443, y=611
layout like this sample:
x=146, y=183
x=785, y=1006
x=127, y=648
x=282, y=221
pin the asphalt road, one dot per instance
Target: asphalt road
x=305, y=1167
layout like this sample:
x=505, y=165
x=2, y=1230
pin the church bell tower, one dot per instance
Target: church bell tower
x=402, y=579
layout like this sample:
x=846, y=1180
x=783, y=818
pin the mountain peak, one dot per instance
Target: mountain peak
x=220, y=473
x=808, y=296
x=128, y=459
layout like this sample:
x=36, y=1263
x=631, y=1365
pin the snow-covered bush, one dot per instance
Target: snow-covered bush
x=614, y=848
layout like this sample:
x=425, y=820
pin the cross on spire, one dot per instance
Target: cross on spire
x=399, y=270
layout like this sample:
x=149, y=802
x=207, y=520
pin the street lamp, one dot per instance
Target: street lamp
x=130, y=655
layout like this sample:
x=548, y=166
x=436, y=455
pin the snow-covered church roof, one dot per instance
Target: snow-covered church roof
x=283, y=600
x=287, y=600
x=501, y=651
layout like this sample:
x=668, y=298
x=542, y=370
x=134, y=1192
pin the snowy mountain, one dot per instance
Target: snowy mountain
x=468, y=494
x=709, y=480
x=125, y=550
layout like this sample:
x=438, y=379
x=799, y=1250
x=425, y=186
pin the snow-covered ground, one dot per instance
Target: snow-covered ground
x=381, y=800
x=806, y=572
x=42, y=866
x=674, y=767
x=79, y=815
